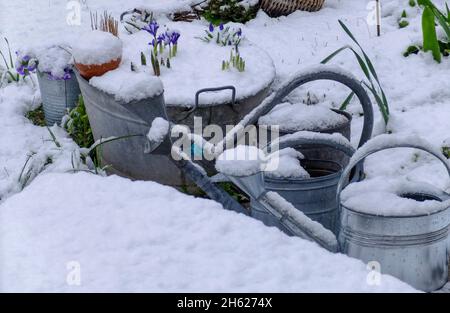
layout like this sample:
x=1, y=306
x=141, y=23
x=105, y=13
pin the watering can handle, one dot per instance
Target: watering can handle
x=361, y=154
x=335, y=141
x=320, y=72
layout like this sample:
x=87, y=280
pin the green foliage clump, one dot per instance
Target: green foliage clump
x=223, y=11
x=77, y=125
x=372, y=83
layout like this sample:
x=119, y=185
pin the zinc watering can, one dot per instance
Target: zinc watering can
x=315, y=196
x=413, y=248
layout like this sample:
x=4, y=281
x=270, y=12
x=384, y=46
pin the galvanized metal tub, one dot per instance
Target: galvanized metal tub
x=126, y=157
x=314, y=196
x=57, y=96
x=411, y=248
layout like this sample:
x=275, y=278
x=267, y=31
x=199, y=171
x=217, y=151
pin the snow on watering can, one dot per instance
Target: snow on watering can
x=315, y=195
x=404, y=230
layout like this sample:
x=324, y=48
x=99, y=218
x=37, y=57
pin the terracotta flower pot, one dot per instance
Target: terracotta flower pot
x=91, y=70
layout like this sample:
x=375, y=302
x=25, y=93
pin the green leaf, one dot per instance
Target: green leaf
x=430, y=40
x=347, y=101
x=10, y=54
x=381, y=105
x=331, y=56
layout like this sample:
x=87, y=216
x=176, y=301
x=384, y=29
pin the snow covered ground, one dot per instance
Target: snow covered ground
x=141, y=236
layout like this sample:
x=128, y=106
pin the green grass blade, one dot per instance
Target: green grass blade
x=10, y=54
x=335, y=53
x=382, y=106
x=53, y=137
x=102, y=141
x=4, y=60
x=362, y=64
x=347, y=101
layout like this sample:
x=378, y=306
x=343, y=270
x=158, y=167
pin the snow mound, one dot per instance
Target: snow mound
x=139, y=236
x=241, y=161
x=299, y=116
x=54, y=60
x=97, y=47
x=127, y=85
x=286, y=164
x=158, y=130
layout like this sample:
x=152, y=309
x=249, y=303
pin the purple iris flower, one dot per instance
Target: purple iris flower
x=67, y=75
x=152, y=28
x=162, y=38
x=239, y=32
x=174, y=38
x=211, y=27
x=221, y=26
x=21, y=70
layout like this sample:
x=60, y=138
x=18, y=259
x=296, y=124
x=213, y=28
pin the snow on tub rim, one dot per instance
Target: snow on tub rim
x=198, y=65
x=126, y=85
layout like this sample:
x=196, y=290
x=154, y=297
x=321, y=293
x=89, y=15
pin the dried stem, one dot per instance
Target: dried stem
x=107, y=23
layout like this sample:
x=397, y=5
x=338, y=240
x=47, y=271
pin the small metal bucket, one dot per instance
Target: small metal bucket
x=57, y=96
x=411, y=248
x=314, y=196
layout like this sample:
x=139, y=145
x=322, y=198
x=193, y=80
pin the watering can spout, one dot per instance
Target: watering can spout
x=291, y=218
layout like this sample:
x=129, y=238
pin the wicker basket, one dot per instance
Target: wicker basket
x=276, y=8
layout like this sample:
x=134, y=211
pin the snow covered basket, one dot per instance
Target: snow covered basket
x=405, y=229
x=96, y=53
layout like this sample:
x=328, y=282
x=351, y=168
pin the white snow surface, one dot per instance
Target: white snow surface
x=141, y=236
x=198, y=65
x=127, y=85
x=298, y=116
x=417, y=88
x=97, y=47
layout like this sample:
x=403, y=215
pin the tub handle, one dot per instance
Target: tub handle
x=319, y=72
x=214, y=89
x=376, y=145
x=204, y=90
